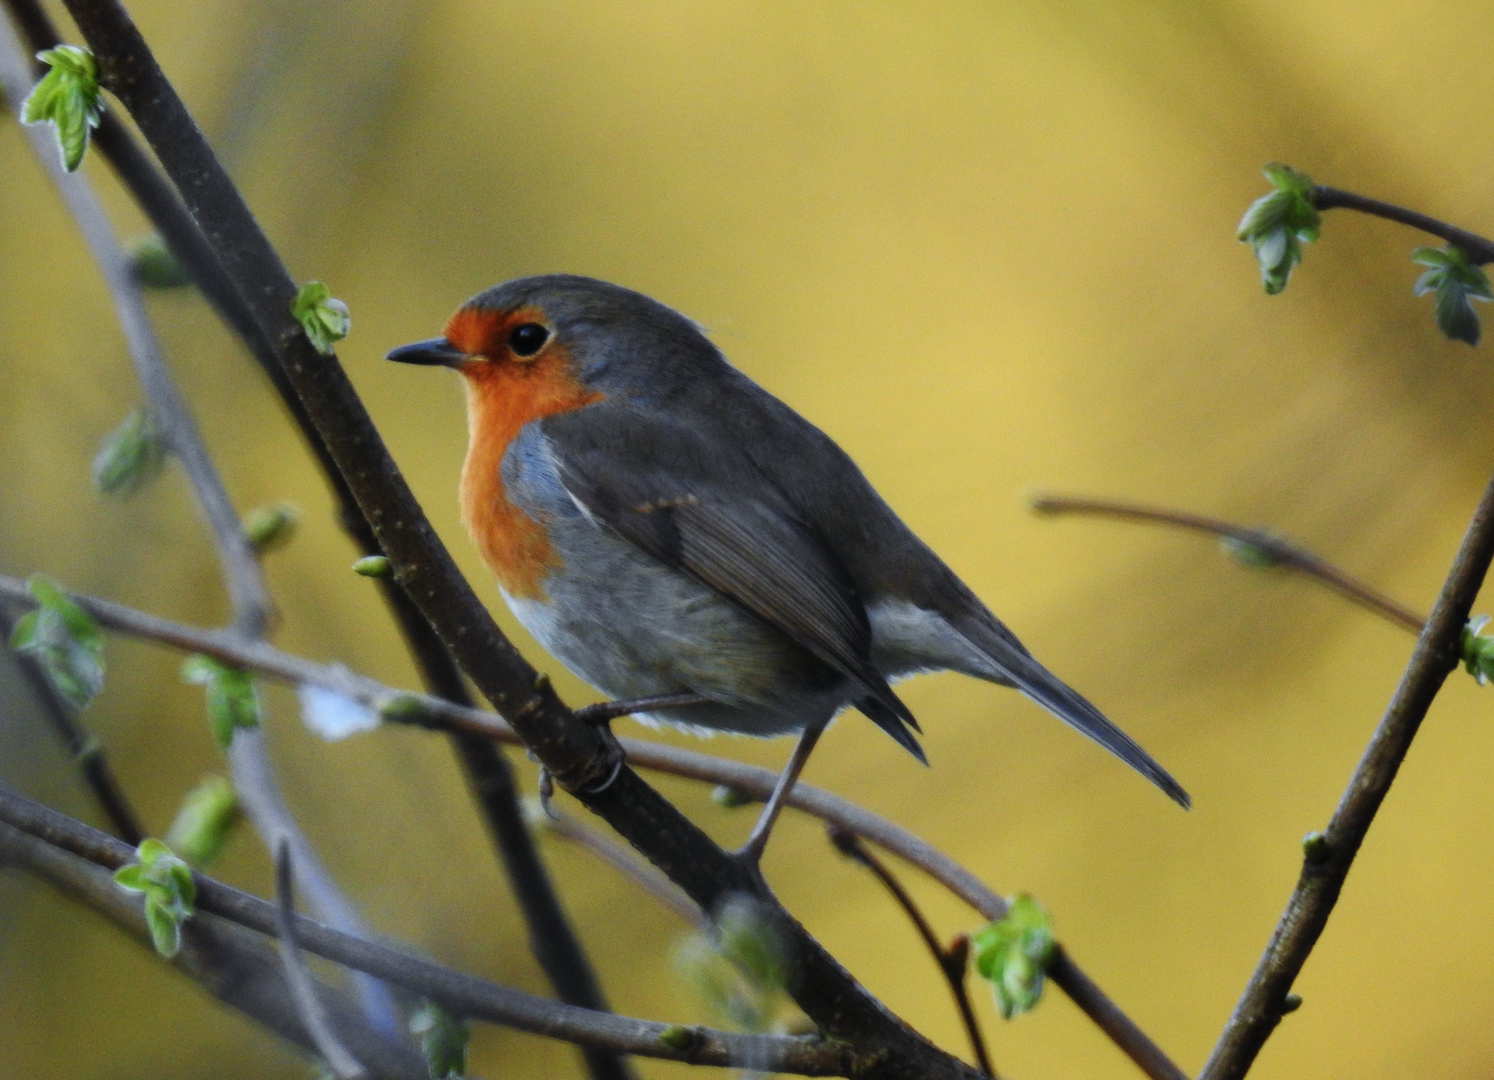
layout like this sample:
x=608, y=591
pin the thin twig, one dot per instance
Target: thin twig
x=233, y=964
x=488, y=773
x=243, y=577
x=1326, y=866
x=951, y=961
x=464, y=995
x=749, y=780
x=1479, y=249
x=1273, y=550
x=87, y=752
x=604, y=711
x=624, y=862
x=303, y=990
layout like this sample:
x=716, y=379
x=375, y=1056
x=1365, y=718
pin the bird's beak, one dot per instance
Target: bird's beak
x=436, y=351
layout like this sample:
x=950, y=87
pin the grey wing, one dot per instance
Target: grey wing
x=663, y=489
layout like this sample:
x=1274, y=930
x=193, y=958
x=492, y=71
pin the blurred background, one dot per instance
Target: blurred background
x=988, y=247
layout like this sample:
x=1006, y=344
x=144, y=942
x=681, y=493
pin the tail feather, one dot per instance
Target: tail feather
x=889, y=720
x=1040, y=684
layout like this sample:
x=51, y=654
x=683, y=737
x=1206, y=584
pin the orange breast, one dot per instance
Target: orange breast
x=503, y=396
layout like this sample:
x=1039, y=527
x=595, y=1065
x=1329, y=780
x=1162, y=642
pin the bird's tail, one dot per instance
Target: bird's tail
x=1049, y=691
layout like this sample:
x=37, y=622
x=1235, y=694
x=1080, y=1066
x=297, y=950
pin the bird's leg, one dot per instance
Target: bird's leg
x=752, y=850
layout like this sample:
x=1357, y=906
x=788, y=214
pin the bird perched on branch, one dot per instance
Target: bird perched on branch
x=663, y=525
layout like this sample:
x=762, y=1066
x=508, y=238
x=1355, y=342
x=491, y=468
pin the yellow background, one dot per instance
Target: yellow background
x=989, y=247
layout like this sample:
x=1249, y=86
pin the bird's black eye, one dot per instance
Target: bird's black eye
x=528, y=338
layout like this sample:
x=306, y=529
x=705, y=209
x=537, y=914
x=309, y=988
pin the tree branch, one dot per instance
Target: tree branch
x=951, y=961
x=302, y=987
x=749, y=780
x=229, y=962
x=1476, y=247
x=462, y=995
x=1272, y=549
x=488, y=773
x=624, y=862
x=1326, y=866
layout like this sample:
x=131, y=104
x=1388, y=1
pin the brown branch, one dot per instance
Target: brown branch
x=624, y=862
x=951, y=961
x=1272, y=549
x=462, y=995
x=1326, y=866
x=343, y=1065
x=749, y=780
x=229, y=962
x=1476, y=247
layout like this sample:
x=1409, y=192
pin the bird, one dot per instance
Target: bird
x=664, y=526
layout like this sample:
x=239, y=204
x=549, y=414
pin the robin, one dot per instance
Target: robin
x=665, y=526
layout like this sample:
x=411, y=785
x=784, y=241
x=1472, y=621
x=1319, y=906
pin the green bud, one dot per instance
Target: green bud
x=677, y=1037
x=1248, y=554
x=374, y=566
x=1291, y=1003
x=154, y=265
x=170, y=892
x=1012, y=953
x=443, y=1038
x=67, y=98
x=232, y=700
x=1315, y=848
x=270, y=527
x=129, y=457
x=205, y=821
x=64, y=640
x=1457, y=281
x=325, y=319
x=1278, y=224
x=729, y=797
x=400, y=708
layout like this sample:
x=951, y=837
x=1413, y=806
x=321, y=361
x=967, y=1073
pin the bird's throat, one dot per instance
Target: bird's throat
x=502, y=397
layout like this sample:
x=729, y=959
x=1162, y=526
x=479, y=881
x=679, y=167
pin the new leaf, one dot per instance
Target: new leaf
x=68, y=98
x=1013, y=954
x=169, y=892
x=324, y=318
x=1457, y=282
x=129, y=457
x=1277, y=225
x=232, y=701
x=64, y=640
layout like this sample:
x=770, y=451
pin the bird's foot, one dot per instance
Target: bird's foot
x=751, y=853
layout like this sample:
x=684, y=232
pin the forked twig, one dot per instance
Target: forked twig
x=952, y=961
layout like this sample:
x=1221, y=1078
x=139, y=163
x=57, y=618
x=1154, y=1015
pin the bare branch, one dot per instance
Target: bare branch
x=1476, y=247
x=749, y=780
x=303, y=990
x=1325, y=867
x=231, y=963
x=460, y=994
x=624, y=862
x=951, y=961
x=1273, y=550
